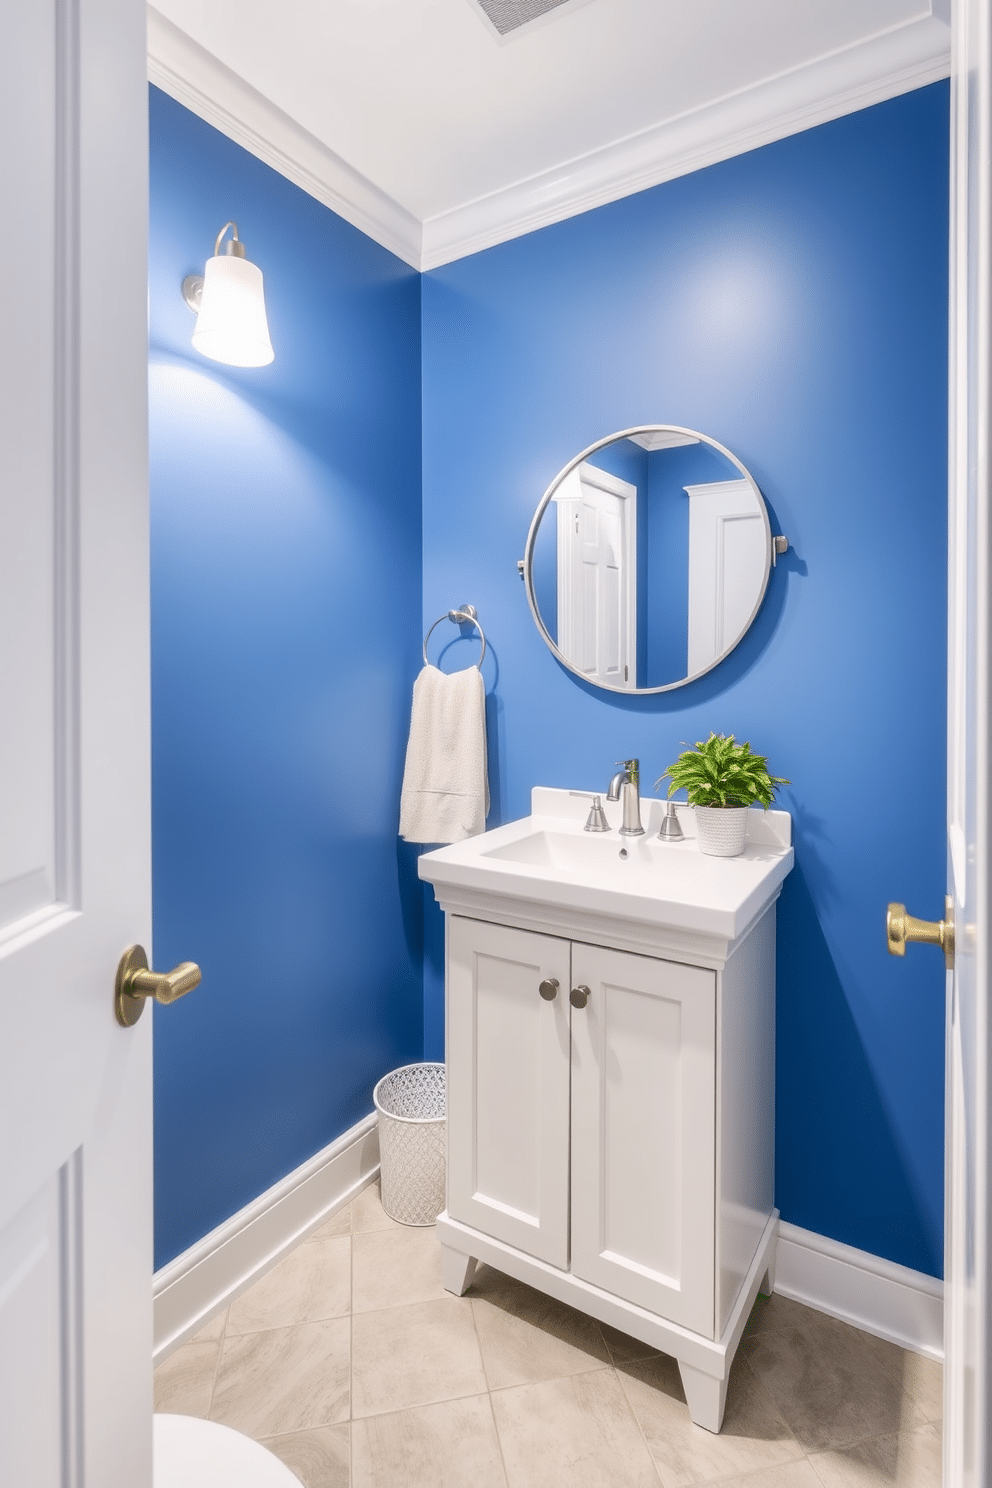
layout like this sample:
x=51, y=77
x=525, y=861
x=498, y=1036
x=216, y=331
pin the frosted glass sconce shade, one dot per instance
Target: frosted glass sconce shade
x=231, y=325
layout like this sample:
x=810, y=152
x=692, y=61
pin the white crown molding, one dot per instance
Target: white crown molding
x=896, y=62
x=907, y=57
x=197, y=1284
x=892, y=1302
x=195, y=78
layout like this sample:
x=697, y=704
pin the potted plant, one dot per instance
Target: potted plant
x=723, y=779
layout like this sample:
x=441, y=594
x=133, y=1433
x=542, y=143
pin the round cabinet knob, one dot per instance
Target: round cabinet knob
x=579, y=996
x=549, y=989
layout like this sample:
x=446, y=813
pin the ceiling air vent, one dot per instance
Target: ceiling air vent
x=507, y=15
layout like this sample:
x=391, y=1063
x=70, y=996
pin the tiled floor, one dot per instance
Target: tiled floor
x=353, y=1365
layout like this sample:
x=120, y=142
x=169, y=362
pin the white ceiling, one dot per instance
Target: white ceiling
x=420, y=124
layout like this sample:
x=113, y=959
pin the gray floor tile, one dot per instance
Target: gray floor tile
x=338, y=1224
x=449, y=1445
x=368, y=1214
x=319, y=1458
x=213, y=1329
x=184, y=1381
x=416, y=1355
x=923, y=1381
x=833, y=1384
x=572, y=1433
x=910, y=1459
x=312, y=1283
x=526, y=1337
x=623, y=1348
x=285, y=1379
x=754, y=1434
x=393, y=1267
x=793, y=1475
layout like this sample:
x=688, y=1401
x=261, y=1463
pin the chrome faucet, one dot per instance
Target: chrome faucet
x=627, y=781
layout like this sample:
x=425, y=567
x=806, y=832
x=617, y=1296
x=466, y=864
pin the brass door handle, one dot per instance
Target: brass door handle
x=135, y=984
x=902, y=928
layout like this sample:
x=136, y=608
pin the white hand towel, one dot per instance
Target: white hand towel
x=445, y=783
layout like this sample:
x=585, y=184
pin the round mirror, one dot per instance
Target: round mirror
x=648, y=558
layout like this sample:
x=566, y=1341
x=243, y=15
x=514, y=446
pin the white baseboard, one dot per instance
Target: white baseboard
x=197, y=1284
x=890, y=1301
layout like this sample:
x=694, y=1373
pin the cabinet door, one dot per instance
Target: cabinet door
x=643, y=1132
x=508, y=1072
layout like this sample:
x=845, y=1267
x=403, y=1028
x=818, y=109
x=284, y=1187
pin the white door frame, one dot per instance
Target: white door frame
x=967, y=1290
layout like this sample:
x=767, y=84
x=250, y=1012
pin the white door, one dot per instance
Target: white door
x=727, y=559
x=507, y=1037
x=597, y=576
x=643, y=1132
x=75, y=1117
x=967, y=1258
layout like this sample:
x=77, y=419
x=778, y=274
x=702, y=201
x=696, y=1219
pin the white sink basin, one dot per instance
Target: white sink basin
x=560, y=877
x=567, y=850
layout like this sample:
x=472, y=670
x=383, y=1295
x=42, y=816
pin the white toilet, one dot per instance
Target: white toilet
x=190, y=1453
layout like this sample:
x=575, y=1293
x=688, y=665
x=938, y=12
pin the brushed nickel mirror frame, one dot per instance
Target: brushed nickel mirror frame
x=773, y=547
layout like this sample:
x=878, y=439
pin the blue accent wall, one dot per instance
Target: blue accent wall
x=286, y=605
x=310, y=519
x=791, y=302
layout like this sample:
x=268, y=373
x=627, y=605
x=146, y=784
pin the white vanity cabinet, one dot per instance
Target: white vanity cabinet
x=619, y=1095
x=611, y=1080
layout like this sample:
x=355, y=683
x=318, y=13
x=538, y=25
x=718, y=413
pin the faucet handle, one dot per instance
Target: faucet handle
x=596, y=820
x=671, y=827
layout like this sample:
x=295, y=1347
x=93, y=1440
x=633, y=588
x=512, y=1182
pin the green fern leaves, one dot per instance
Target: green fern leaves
x=721, y=772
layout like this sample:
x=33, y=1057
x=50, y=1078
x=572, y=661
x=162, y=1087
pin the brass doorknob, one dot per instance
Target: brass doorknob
x=135, y=984
x=902, y=928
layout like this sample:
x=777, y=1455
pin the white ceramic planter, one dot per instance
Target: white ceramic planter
x=721, y=830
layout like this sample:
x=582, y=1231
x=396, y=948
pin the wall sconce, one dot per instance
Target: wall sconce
x=230, y=306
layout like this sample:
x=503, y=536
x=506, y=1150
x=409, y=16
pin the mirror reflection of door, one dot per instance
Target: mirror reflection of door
x=597, y=575
x=726, y=567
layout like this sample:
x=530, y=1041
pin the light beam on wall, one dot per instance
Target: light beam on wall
x=228, y=298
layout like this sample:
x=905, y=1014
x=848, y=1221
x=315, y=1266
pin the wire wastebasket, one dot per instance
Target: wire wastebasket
x=410, y=1103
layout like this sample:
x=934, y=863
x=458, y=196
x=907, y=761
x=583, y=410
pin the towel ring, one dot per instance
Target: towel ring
x=464, y=615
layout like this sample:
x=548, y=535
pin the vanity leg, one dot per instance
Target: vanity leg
x=457, y=1270
x=705, y=1396
x=767, y=1284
